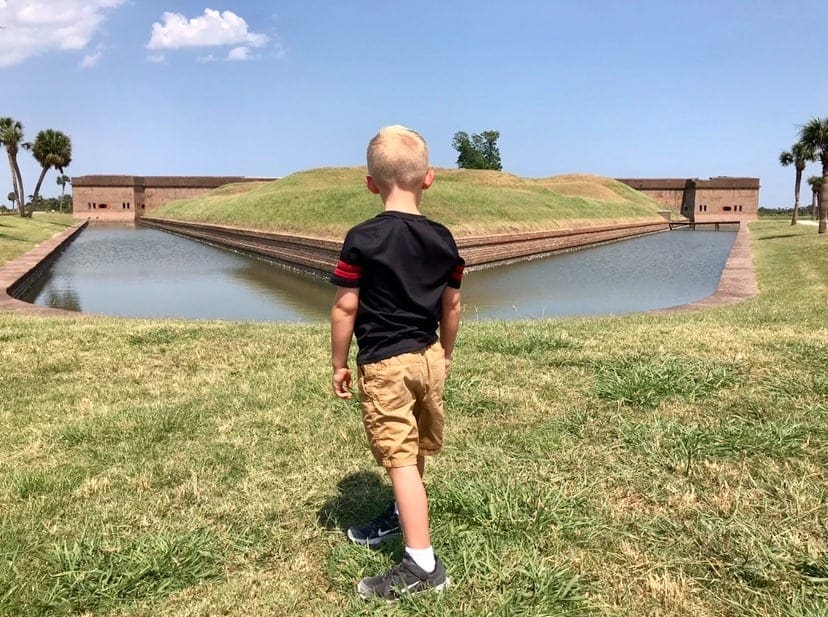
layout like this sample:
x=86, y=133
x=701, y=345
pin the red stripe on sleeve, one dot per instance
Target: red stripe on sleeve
x=348, y=271
x=457, y=275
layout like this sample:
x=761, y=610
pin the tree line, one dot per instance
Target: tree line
x=811, y=145
x=51, y=149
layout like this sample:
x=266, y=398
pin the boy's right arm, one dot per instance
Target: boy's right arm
x=450, y=322
x=343, y=315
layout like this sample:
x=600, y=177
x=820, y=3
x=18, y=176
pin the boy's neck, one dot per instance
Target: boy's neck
x=399, y=200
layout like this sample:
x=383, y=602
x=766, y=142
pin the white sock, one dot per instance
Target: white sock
x=423, y=557
x=396, y=509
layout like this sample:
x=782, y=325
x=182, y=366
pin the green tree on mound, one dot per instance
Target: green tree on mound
x=479, y=151
x=11, y=137
x=814, y=136
x=51, y=149
x=799, y=156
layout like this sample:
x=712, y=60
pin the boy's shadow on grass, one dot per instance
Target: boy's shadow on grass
x=362, y=496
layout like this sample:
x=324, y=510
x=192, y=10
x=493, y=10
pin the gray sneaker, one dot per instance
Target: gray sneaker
x=405, y=577
x=382, y=528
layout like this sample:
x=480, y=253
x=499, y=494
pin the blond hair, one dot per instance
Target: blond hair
x=398, y=156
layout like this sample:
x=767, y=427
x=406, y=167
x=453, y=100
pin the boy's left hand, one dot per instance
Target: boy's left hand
x=342, y=383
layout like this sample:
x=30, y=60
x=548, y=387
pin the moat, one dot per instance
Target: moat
x=139, y=272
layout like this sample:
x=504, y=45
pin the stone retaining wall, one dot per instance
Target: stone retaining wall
x=17, y=275
x=319, y=256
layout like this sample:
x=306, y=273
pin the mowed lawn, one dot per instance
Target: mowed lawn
x=18, y=235
x=670, y=464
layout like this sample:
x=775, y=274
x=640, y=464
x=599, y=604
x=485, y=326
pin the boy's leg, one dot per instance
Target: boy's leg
x=384, y=526
x=412, y=504
x=420, y=569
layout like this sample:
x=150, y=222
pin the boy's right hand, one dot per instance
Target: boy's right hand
x=342, y=383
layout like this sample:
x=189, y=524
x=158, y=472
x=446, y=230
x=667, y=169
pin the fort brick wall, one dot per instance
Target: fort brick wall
x=120, y=198
x=109, y=203
x=723, y=199
x=738, y=204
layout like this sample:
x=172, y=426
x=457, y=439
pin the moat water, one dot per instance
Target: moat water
x=140, y=272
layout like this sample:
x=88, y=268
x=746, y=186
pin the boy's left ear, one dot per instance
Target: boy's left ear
x=372, y=186
x=429, y=179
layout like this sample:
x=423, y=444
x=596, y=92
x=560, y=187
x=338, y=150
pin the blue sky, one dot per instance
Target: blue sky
x=620, y=89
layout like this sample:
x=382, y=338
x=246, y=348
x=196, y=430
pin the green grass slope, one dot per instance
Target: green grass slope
x=327, y=202
x=18, y=235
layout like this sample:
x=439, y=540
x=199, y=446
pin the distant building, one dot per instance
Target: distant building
x=722, y=198
x=126, y=198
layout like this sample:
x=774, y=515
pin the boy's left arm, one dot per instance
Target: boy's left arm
x=450, y=321
x=343, y=316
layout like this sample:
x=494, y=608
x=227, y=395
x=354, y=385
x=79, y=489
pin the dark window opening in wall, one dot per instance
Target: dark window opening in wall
x=142, y=206
x=102, y=206
x=94, y=205
x=726, y=208
x=740, y=208
x=700, y=207
x=128, y=208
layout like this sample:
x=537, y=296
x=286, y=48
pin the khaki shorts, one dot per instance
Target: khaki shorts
x=401, y=399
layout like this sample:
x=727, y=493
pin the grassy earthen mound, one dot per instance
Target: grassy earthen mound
x=326, y=202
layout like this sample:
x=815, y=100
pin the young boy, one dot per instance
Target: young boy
x=398, y=279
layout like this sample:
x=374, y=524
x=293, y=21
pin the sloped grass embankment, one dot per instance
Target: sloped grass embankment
x=327, y=202
x=18, y=235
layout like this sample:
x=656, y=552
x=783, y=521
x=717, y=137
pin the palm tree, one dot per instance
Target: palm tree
x=814, y=136
x=11, y=136
x=63, y=180
x=51, y=149
x=799, y=156
x=816, y=185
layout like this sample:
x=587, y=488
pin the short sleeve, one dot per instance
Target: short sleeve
x=348, y=271
x=456, y=277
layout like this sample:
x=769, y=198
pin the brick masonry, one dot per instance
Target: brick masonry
x=319, y=255
x=722, y=199
x=123, y=198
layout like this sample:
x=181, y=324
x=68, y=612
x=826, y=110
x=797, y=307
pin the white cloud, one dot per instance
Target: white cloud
x=35, y=27
x=238, y=53
x=90, y=60
x=213, y=29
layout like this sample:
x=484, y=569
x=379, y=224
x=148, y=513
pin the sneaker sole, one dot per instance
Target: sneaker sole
x=365, y=592
x=372, y=541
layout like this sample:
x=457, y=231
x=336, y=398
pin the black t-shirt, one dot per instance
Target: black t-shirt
x=401, y=263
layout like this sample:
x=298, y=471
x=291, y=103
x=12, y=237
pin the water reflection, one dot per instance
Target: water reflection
x=640, y=274
x=140, y=272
